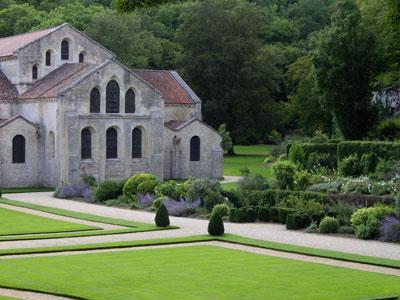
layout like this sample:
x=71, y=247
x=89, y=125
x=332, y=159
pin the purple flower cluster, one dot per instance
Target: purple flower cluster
x=181, y=207
x=74, y=190
x=389, y=230
x=146, y=200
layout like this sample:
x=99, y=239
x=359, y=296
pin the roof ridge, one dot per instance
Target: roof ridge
x=30, y=32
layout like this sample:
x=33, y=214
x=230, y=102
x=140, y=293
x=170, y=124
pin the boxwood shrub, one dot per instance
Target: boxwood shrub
x=250, y=214
x=283, y=213
x=274, y=214
x=263, y=214
x=297, y=221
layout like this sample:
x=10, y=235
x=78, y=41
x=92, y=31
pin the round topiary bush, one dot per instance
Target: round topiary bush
x=162, y=217
x=107, y=190
x=329, y=225
x=147, y=187
x=131, y=185
x=216, y=225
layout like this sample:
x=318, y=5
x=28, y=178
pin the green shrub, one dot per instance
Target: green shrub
x=311, y=155
x=147, y=187
x=302, y=180
x=386, y=169
x=253, y=182
x=296, y=154
x=251, y=215
x=212, y=198
x=169, y=189
x=328, y=225
x=237, y=215
x=332, y=187
x=234, y=196
x=131, y=185
x=162, y=218
x=198, y=188
x=216, y=225
x=389, y=129
x=350, y=166
x=365, y=221
x=296, y=221
x=90, y=180
x=313, y=228
x=274, y=214
x=360, y=185
x=368, y=163
x=107, y=190
x=284, y=172
x=221, y=209
x=263, y=214
x=342, y=211
x=384, y=150
x=158, y=201
x=283, y=213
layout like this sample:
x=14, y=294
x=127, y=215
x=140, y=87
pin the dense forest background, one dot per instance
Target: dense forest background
x=260, y=66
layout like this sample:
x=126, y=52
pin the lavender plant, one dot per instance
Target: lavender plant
x=389, y=230
x=181, y=207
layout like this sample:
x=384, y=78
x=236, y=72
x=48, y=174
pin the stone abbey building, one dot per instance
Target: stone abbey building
x=69, y=108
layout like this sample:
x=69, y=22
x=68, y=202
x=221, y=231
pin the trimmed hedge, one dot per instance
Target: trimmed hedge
x=270, y=198
x=297, y=221
x=263, y=214
x=283, y=213
x=385, y=150
x=274, y=214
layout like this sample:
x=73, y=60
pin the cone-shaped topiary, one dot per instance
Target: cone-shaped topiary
x=216, y=225
x=162, y=217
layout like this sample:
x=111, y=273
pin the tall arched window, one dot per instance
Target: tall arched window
x=64, y=50
x=51, y=145
x=34, y=72
x=195, y=149
x=18, y=149
x=111, y=143
x=86, y=144
x=136, y=143
x=95, y=101
x=82, y=57
x=112, y=97
x=48, y=58
x=130, y=102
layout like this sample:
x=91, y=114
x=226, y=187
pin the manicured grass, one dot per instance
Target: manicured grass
x=197, y=272
x=132, y=225
x=13, y=190
x=14, y=223
x=251, y=157
x=225, y=238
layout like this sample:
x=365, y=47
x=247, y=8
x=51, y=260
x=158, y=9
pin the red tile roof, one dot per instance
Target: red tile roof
x=170, y=85
x=54, y=82
x=8, y=45
x=7, y=89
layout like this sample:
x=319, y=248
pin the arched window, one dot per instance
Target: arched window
x=34, y=72
x=136, y=143
x=130, y=102
x=18, y=149
x=195, y=149
x=81, y=57
x=48, y=58
x=112, y=143
x=64, y=50
x=51, y=145
x=86, y=144
x=112, y=97
x=95, y=101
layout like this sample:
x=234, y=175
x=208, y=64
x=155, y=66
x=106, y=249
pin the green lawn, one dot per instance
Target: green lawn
x=14, y=222
x=197, y=272
x=251, y=157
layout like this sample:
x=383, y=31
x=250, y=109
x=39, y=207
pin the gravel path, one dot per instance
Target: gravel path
x=188, y=226
x=17, y=294
x=61, y=218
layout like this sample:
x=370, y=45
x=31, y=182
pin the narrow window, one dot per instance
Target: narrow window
x=112, y=143
x=112, y=97
x=86, y=144
x=18, y=149
x=48, y=58
x=51, y=145
x=195, y=149
x=34, y=72
x=81, y=57
x=64, y=50
x=130, y=102
x=136, y=143
x=95, y=101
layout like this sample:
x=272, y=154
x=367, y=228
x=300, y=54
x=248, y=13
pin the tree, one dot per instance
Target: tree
x=304, y=107
x=129, y=6
x=346, y=63
x=224, y=63
x=16, y=19
x=226, y=144
x=162, y=218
